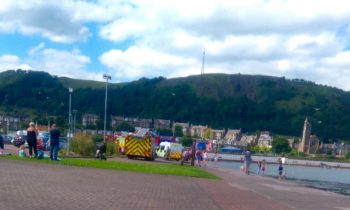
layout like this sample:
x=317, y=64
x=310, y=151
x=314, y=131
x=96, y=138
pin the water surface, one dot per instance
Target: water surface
x=330, y=179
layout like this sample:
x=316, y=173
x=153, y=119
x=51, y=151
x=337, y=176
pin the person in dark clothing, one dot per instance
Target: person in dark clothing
x=1, y=144
x=31, y=139
x=100, y=154
x=54, y=142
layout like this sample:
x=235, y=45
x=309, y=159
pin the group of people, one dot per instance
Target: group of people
x=202, y=158
x=261, y=166
x=36, y=145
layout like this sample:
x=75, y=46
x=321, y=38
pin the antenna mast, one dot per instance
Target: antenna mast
x=202, y=70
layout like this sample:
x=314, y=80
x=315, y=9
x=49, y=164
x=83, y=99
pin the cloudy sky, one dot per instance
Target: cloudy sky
x=130, y=39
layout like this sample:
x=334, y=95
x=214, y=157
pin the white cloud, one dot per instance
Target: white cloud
x=12, y=62
x=35, y=49
x=280, y=38
x=45, y=18
x=62, y=63
x=137, y=62
x=296, y=39
x=71, y=64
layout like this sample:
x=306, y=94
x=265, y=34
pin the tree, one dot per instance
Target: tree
x=207, y=133
x=347, y=156
x=165, y=132
x=186, y=141
x=100, y=124
x=280, y=145
x=125, y=127
x=60, y=121
x=178, y=131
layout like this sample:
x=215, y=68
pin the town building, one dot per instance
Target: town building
x=136, y=122
x=162, y=124
x=185, y=128
x=217, y=134
x=309, y=143
x=265, y=139
x=9, y=123
x=198, y=130
x=89, y=119
x=233, y=135
x=245, y=140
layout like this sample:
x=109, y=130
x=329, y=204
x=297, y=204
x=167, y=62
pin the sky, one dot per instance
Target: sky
x=130, y=39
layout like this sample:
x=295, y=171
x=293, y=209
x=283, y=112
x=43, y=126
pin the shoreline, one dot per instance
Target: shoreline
x=274, y=160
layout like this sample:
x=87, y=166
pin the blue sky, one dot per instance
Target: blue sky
x=131, y=39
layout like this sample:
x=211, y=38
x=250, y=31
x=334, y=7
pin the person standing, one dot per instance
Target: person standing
x=205, y=158
x=1, y=144
x=281, y=171
x=259, y=168
x=263, y=167
x=54, y=142
x=215, y=159
x=31, y=139
x=247, y=161
x=199, y=158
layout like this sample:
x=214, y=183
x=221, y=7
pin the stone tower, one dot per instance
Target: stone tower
x=304, y=145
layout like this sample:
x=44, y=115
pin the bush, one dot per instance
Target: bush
x=280, y=145
x=83, y=145
x=186, y=141
x=97, y=138
x=347, y=156
x=112, y=148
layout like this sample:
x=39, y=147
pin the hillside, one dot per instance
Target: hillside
x=218, y=100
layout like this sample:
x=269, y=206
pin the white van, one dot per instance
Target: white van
x=175, y=150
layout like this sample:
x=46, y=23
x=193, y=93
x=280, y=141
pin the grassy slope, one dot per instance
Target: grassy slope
x=146, y=167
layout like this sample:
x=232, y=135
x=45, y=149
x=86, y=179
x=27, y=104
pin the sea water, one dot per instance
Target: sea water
x=330, y=179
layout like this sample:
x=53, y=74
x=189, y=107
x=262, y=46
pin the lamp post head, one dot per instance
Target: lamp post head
x=106, y=76
x=71, y=90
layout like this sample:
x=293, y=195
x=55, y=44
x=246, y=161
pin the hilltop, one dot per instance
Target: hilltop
x=250, y=102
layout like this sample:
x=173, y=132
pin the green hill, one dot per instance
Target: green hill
x=218, y=100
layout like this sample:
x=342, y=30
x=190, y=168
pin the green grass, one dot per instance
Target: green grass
x=139, y=167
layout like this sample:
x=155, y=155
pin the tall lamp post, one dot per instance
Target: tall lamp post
x=69, y=119
x=74, y=119
x=106, y=77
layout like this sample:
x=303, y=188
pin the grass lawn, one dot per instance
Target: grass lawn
x=146, y=167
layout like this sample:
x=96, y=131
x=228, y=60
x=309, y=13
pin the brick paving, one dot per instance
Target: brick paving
x=29, y=185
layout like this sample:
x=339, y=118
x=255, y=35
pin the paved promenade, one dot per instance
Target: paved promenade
x=28, y=185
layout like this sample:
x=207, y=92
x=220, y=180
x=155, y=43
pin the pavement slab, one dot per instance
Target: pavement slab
x=31, y=185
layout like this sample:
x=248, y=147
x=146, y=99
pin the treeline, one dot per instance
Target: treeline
x=236, y=101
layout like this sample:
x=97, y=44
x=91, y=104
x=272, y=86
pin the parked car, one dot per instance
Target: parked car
x=8, y=139
x=63, y=143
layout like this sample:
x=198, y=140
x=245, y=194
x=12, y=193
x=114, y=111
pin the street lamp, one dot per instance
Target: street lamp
x=74, y=119
x=106, y=77
x=69, y=119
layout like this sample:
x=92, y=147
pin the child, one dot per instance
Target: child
x=22, y=152
x=280, y=171
x=215, y=160
x=263, y=167
x=40, y=147
x=205, y=158
x=199, y=158
x=259, y=168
